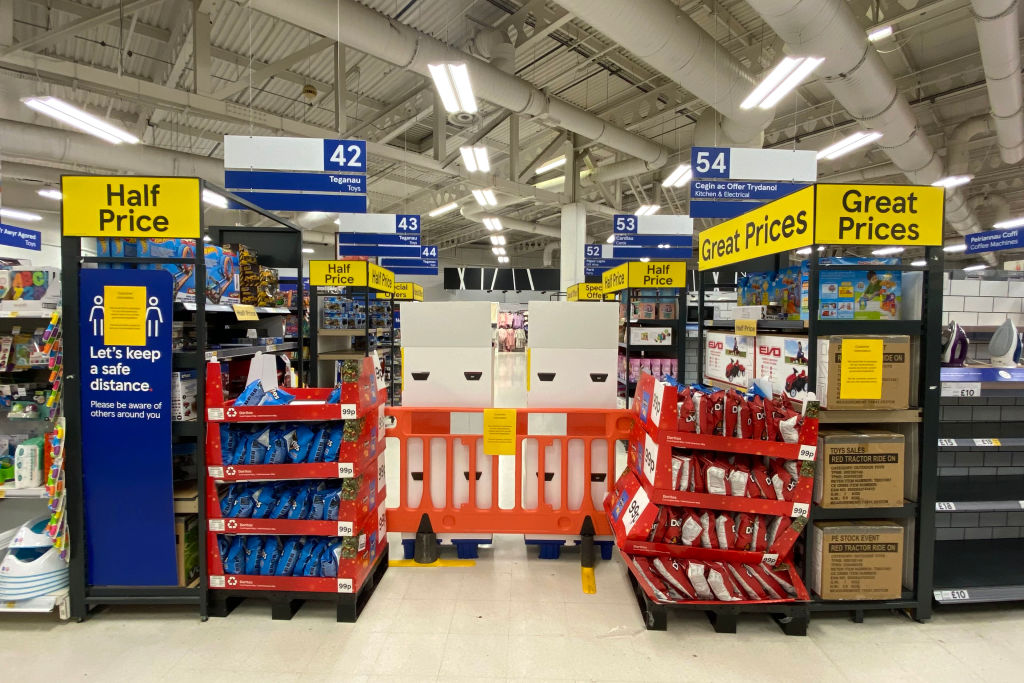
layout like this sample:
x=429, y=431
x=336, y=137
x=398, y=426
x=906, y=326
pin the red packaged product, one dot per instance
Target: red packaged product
x=679, y=470
x=696, y=475
x=784, y=478
x=726, y=531
x=674, y=573
x=687, y=412
x=744, y=530
x=708, y=533
x=748, y=583
x=759, y=542
x=722, y=585
x=690, y=528
x=716, y=476
x=731, y=413
x=745, y=422
x=660, y=526
x=771, y=422
x=695, y=572
x=783, y=580
x=739, y=478
x=758, y=414
x=776, y=528
x=649, y=577
x=674, y=528
x=766, y=579
x=759, y=475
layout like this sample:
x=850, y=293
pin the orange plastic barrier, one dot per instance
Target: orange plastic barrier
x=565, y=463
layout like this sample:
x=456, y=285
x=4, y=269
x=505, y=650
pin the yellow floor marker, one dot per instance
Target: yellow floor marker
x=589, y=582
x=436, y=563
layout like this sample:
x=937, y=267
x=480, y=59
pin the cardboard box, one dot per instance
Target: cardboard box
x=650, y=336
x=859, y=469
x=186, y=546
x=729, y=359
x=873, y=293
x=895, y=375
x=667, y=311
x=184, y=389
x=857, y=560
x=782, y=363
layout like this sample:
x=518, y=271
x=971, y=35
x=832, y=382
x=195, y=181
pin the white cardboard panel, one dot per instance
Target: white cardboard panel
x=446, y=384
x=281, y=154
x=572, y=325
x=582, y=378
x=777, y=164
x=449, y=324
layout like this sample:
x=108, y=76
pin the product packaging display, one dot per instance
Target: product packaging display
x=26, y=288
x=676, y=580
x=186, y=546
x=184, y=391
x=183, y=273
x=896, y=373
x=856, y=560
x=221, y=275
x=729, y=359
x=33, y=565
x=781, y=362
x=859, y=469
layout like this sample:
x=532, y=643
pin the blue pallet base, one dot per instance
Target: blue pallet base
x=465, y=548
x=549, y=550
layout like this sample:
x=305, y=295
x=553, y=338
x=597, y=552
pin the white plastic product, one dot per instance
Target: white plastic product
x=28, y=466
x=1003, y=347
x=32, y=534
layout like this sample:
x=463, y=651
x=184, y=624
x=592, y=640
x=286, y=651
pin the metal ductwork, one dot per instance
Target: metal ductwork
x=996, y=204
x=856, y=76
x=958, y=151
x=375, y=34
x=662, y=35
x=549, y=253
x=999, y=39
x=477, y=214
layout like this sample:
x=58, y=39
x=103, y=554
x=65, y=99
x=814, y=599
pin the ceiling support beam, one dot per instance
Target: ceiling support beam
x=440, y=128
x=545, y=153
x=201, y=82
x=259, y=76
x=6, y=23
x=513, y=147
x=86, y=12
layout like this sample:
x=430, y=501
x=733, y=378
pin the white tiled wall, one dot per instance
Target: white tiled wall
x=982, y=302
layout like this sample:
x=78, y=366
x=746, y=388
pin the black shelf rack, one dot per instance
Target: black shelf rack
x=675, y=350
x=84, y=597
x=922, y=418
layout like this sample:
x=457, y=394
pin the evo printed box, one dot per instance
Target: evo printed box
x=729, y=359
x=895, y=375
x=782, y=362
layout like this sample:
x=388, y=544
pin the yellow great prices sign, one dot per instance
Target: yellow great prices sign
x=890, y=215
x=639, y=274
x=782, y=225
x=130, y=206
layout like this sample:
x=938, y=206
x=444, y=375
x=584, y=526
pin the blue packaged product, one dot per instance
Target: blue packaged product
x=304, y=557
x=303, y=503
x=234, y=558
x=283, y=504
x=289, y=555
x=334, y=437
x=276, y=397
x=298, y=449
x=258, y=448
x=228, y=439
x=318, y=448
x=252, y=394
x=253, y=548
x=279, y=441
x=243, y=441
x=227, y=503
x=869, y=292
x=312, y=567
x=329, y=559
x=270, y=555
x=183, y=274
x=263, y=502
x=335, y=396
x=322, y=503
x=244, y=503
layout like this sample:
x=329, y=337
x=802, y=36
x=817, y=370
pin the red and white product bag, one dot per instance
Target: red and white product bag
x=632, y=513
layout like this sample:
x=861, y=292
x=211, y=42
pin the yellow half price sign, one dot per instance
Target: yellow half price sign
x=337, y=273
x=644, y=275
x=860, y=369
x=130, y=206
x=245, y=312
x=500, y=431
x=746, y=328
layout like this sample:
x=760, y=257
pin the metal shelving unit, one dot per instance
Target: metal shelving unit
x=676, y=349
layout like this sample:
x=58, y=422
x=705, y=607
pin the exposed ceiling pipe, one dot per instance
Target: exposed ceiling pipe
x=477, y=214
x=997, y=204
x=958, y=151
x=662, y=35
x=999, y=38
x=869, y=173
x=549, y=253
x=855, y=75
x=375, y=34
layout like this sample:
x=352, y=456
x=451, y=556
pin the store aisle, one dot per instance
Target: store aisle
x=512, y=616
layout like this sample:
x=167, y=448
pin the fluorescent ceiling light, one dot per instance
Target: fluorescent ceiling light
x=500, y=251
x=645, y=260
x=552, y=182
x=475, y=159
x=453, y=86
x=307, y=250
x=880, y=33
x=848, y=144
x=888, y=251
x=789, y=73
x=804, y=252
x=439, y=211
x=678, y=177
x=213, y=199
x=20, y=215
x=980, y=266
x=647, y=210
x=954, y=248
x=206, y=238
x=953, y=181
x=76, y=118
x=551, y=165
x=498, y=240
x=919, y=263
x=503, y=259
x=493, y=224
x=611, y=238
x=1012, y=223
x=485, y=197
x=50, y=193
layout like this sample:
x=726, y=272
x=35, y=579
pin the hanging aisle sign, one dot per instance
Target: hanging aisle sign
x=351, y=274
x=995, y=240
x=297, y=174
x=652, y=231
x=22, y=238
x=722, y=189
x=129, y=206
x=597, y=258
x=585, y=291
x=650, y=275
x=378, y=234
x=872, y=215
x=126, y=329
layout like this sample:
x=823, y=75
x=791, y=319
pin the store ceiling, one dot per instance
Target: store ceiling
x=934, y=59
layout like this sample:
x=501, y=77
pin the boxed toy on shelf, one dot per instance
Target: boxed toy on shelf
x=24, y=288
x=856, y=560
x=729, y=359
x=183, y=274
x=221, y=275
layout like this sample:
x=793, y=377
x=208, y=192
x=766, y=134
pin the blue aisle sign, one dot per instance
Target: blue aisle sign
x=400, y=238
x=597, y=258
x=396, y=251
x=633, y=253
x=995, y=240
x=719, y=191
x=424, y=264
x=126, y=328
x=379, y=234
x=22, y=238
x=296, y=174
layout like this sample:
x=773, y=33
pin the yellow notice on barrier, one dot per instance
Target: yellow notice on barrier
x=860, y=369
x=129, y=206
x=782, y=225
x=500, y=431
x=896, y=215
x=123, y=312
x=637, y=274
x=245, y=312
x=746, y=328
